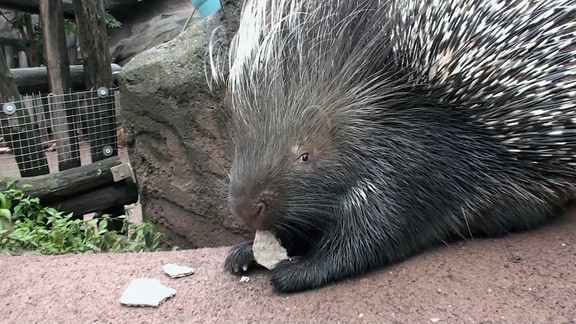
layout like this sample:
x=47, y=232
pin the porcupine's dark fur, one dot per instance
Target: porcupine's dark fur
x=369, y=131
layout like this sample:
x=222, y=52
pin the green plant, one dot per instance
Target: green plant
x=111, y=21
x=31, y=32
x=27, y=226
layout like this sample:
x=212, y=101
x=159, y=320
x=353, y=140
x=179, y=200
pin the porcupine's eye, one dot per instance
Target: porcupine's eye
x=305, y=157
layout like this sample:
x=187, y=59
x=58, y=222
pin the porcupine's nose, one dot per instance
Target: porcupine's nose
x=251, y=211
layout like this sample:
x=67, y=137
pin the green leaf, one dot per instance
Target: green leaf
x=23, y=228
x=11, y=183
x=111, y=21
x=4, y=201
x=6, y=214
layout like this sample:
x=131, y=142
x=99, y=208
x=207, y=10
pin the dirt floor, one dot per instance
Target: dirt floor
x=524, y=278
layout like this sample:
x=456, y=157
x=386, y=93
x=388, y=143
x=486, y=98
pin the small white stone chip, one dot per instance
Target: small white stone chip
x=268, y=251
x=177, y=271
x=146, y=292
x=244, y=279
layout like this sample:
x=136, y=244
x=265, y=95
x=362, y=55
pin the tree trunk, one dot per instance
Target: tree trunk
x=33, y=47
x=56, y=54
x=93, y=36
x=8, y=89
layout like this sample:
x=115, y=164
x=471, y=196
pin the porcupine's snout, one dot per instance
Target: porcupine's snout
x=253, y=209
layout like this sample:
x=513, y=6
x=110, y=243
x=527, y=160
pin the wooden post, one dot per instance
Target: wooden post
x=56, y=53
x=32, y=50
x=9, y=52
x=93, y=36
x=18, y=130
x=8, y=88
x=22, y=59
x=41, y=113
x=73, y=55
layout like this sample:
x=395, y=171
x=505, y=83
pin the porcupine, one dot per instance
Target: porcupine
x=368, y=131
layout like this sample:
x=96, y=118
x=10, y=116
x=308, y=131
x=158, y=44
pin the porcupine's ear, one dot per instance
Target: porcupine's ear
x=319, y=114
x=313, y=136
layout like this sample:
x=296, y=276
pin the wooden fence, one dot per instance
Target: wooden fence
x=66, y=148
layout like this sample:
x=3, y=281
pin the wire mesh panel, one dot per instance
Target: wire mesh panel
x=45, y=134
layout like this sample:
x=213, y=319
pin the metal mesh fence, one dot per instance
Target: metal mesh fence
x=45, y=134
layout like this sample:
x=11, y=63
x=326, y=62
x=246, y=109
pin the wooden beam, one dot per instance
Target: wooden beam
x=120, y=193
x=56, y=54
x=35, y=79
x=19, y=44
x=32, y=6
x=65, y=184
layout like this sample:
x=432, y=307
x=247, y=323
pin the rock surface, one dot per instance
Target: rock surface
x=524, y=278
x=145, y=24
x=146, y=292
x=148, y=24
x=178, y=141
x=177, y=271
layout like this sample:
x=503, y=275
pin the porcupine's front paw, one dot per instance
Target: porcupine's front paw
x=290, y=276
x=240, y=258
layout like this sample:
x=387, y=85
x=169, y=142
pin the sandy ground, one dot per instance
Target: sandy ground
x=524, y=278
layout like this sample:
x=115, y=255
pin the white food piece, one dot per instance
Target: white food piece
x=244, y=279
x=268, y=251
x=146, y=292
x=177, y=271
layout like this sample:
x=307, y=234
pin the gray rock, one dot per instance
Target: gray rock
x=177, y=271
x=178, y=140
x=146, y=292
x=147, y=35
x=149, y=24
x=145, y=24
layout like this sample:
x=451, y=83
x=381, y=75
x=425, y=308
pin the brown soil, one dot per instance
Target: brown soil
x=524, y=278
